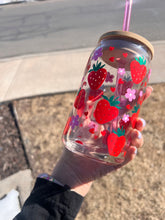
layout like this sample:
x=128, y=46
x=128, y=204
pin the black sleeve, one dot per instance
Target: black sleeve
x=50, y=201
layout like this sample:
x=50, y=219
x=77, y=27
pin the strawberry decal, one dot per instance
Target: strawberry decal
x=96, y=76
x=80, y=99
x=138, y=70
x=116, y=142
x=106, y=109
x=127, y=83
x=135, y=114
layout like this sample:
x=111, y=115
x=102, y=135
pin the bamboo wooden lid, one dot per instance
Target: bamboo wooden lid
x=130, y=36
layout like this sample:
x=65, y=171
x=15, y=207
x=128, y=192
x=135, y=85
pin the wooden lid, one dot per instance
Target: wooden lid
x=128, y=35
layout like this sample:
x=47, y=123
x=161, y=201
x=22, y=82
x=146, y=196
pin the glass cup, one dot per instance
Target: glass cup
x=110, y=96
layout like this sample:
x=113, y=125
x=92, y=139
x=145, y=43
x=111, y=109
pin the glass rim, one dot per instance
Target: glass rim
x=128, y=35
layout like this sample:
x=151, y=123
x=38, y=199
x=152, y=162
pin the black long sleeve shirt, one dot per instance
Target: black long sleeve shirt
x=50, y=201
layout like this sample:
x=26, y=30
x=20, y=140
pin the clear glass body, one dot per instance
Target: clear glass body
x=108, y=100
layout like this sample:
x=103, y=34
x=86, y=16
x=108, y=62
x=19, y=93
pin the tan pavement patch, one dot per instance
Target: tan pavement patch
x=137, y=191
x=50, y=73
x=158, y=64
x=8, y=71
x=22, y=181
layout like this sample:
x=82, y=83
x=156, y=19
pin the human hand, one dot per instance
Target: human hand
x=79, y=172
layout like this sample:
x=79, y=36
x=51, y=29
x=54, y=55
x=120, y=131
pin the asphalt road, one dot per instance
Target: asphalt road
x=41, y=27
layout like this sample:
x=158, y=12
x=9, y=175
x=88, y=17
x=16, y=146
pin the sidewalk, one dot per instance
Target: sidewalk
x=54, y=72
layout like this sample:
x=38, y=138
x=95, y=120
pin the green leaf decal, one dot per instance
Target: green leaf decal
x=136, y=108
x=97, y=66
x=141, y=60
x=120, y=132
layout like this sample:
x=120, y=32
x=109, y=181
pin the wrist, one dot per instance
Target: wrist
x=83, y=189
x=69, y=171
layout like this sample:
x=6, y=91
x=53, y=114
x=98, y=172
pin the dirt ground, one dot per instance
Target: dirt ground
x=135, y=192
x=12, y=158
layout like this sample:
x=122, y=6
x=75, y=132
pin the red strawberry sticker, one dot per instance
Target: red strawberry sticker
x=113, y=89
x=128, y=106
x=80, y=99
x=106, y=109
x=96, y=76
x=125, y=55
x=120, y=81
x=112, y=59
x=111, y=48
x=103, y=132
x=116, y=142
x=138, y=70
x=92, y=130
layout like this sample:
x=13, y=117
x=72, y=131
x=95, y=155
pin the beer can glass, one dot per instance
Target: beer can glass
x=110, y=96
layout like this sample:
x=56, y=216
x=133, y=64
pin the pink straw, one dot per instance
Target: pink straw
x=127, y=15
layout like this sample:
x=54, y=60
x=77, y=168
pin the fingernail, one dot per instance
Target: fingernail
x=139, y=135
x=152, y=88
x=144, y=122
x=135, y=152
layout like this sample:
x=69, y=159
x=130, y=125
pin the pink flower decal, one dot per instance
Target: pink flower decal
x=93, y=125
x=141, y=93
x=130, y=95
x=121, y=71
x=125, y=118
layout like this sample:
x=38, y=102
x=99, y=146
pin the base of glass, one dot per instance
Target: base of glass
x=93, y=153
